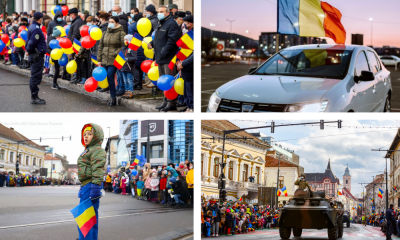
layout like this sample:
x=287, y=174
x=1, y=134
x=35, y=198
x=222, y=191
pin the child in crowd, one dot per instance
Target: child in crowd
x=123, y=185
x=154, y=183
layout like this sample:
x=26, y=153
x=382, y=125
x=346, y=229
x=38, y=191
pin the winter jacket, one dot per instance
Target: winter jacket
x=216, y=213
x=123, y=183
x=164, y=43
x=104, y=27
x=132, y=29
x=54, y=23
x=181, y=190
x=123, y=20
x=229, y=220
x=187, y=70
x=155, y=183
x=48, y=49
x=93, y=158
x=110, y=45
x=74, y=30
x=140, y=184
x=130, y=57
x=147, y=183
x=154, y=23
x=108, y=179
x=163, y=183
x=173, y=171
x=190, y=178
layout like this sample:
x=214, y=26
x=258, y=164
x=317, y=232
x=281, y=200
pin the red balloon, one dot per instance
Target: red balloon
x=65, y=43
x=21, y=28
x=91, y=85
x=171, y=94
x=146, y=65
x=84, y=31
x=5, y=50
x=44, y=30
x=4, y=24
x=87, y=42
x=64, y=10
x=5, y=38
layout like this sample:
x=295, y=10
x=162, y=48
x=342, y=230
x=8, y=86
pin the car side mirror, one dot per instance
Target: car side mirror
x=365, y=76
x=251, y=70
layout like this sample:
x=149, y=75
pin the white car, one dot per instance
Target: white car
x=390, y=60
x=310, y=78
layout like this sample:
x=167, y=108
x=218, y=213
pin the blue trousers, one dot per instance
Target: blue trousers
x=93, y=233
x=188, y=87
x=36, y=76
x=111, y=70
x=14, y=58
x=177, y=200
x=128, y=79
x=120, y=81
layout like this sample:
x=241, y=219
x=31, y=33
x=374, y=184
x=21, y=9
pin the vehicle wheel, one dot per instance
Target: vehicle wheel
x=387, y=105
x=340, y=227
x=285, y=232
x=297, y=232
x=333, y=233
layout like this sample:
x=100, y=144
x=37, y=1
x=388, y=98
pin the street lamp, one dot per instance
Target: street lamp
x=370, y=19
x=230, y=21
x=212, y=25
x=109, y=144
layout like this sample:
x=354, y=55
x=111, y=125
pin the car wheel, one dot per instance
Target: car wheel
x=387, y=105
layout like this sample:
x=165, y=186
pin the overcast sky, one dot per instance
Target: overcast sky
x=260, y=16
x=56, y=128
x=350, y=146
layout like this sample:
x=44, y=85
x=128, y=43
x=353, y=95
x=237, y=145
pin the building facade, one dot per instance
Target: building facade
x=371, y=195
x=112, y=153
x=326, y=181
x=30, y=154
x=394, y=175
x=57, y=166
x=243, y=159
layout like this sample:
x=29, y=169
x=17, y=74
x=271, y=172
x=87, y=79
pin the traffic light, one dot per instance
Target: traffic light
x=222, y=195
x=221, y=184
x=17, y=168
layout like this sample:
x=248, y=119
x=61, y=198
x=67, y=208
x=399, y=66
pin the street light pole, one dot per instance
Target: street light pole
x=277, y=181
x=370, y=19
x=212, y=25
x=109, y=146
x=231, y=21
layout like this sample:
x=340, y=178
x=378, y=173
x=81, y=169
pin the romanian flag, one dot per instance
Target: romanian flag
x=310, y=18
x=76, y=46
x=94, y=59
x=186, y=41
x=85, y=216
x=284, y=191
x=359, y=205
x=371, y=199
x=135, y=162
x=136, y=42
x=171, y=65
x=380, y=193
x=183, y=54
x=395, y=188
x=278, y=192
x=119, y=61
x=339, y=193
x=240, y=199
x=47, y=61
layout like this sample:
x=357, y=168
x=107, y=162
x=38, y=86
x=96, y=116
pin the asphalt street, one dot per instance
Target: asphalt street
x=15, y=97
x=356, y=231
x=44, y=213
x=215, y=75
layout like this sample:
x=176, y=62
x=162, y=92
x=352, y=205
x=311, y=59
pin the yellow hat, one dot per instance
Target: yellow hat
x=88, y=128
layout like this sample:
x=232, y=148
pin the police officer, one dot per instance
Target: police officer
x=391, y=221
x=301, y=182
x=36, y=49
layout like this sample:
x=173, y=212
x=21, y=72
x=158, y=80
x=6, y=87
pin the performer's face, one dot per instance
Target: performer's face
x=87, y=137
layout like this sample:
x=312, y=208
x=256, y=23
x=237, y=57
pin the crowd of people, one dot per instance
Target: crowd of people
x=230, y=218
x=169, y=185
x=168, y=25
x=23, y=180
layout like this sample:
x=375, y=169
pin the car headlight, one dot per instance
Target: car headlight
x=313, y=107
x=214, y=102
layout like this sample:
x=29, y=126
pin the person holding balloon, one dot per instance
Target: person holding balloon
x=56, y=33
x=58, y=21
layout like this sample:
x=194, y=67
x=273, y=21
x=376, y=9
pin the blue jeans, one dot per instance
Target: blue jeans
x=93, y=233
x=120, y=81
x=177, y=200
x=111, y=70
x=14, y=59
x=128, y=79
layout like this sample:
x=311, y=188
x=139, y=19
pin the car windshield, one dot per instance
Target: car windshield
x=328, y=63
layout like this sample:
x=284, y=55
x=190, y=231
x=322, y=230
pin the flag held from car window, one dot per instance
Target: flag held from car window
x=310, y=18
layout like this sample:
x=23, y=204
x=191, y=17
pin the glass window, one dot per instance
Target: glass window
x=180, y=142
x=230, y=172
x=373, y=62
x=257, y=175
x=34, y=162
x=347, y=181
x=245, y=172
x=11, y=157
x=216, y=167
x=361, y=64
x=281, y=182
x=2, y=154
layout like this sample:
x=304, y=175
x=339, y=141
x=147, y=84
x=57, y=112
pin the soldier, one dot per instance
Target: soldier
x=59, y=182
x=391, y=221
x=36, y=49
x=301, y=182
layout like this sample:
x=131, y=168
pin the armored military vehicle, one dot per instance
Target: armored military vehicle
x=311, y=210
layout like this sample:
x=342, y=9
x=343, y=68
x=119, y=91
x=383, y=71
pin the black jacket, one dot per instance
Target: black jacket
x=74, y=31
x=187, y=70
x=390, y=215
x=164, y=43
x=123, y=20
x=215, y=209
x=54, y=23
x=154, y=23
x=181, y=190
x=104, y=27
x=49, y=38
x=130, y=57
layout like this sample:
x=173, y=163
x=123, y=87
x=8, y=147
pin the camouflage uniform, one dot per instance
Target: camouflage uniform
x=302, y=184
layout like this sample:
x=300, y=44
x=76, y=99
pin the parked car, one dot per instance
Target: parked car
x=310, y=78
x=390, y=60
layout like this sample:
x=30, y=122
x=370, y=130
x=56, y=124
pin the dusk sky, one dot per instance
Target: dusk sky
x=260, y=16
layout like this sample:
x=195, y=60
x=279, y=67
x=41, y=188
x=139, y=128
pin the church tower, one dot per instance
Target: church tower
x=347, y=179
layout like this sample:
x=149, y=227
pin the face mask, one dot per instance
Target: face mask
x=148, y=15
x=10, y=33
x=89, y=24
x=114, y=14
x=160, y=16
x=130, y=20
x=111, y=25
x=132, y=15
x=13, y=17
x=302, y=178
x=59, y=19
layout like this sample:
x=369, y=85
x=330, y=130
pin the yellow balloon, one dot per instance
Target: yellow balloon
x=149, y=53
x=51, y=62
x=71, y=67
x=18, y=42
x=68, y=50
x=179, y=86
x=52, y=10
x=8, y=44
x=153, y=64
x=62, y=30
x=96, y=34
x=144, y=27
x=146, y=41
x=56, y=54
x=103, y=84
x=153, y=74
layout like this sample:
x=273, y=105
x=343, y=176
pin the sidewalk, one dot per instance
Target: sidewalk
x=142, y=102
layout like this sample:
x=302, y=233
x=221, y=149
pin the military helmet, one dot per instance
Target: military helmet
x=303, y=175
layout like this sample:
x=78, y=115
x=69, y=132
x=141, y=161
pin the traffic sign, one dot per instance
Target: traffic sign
x=373, y=207
x=123, y=163
x=221, y=46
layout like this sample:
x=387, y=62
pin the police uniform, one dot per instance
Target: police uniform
x=36, y=47
x=391, y=222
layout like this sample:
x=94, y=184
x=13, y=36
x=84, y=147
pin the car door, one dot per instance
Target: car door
x=363, y=91
x=385, y=60
x=380, y=80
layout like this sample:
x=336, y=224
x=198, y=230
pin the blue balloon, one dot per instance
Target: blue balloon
x=153, y=34
x=134, y=172
x=54, y=44
x=99, y=74
x=24, y=35
x=155, y=83
x=63, y=61
x=67, y=29
x=2, y=45
x=91, y=27
x=165, y=82
x=57, y=8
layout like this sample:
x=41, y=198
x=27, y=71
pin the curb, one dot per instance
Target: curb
x=138, y=105
x=174, y=234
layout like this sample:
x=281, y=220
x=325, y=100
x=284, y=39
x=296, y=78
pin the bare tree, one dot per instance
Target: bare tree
x=3, y=5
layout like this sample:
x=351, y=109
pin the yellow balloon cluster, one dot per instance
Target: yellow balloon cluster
x=96, y=34
x=149, y=53
x=56, y=54
x=153, y=74
x=62, y=30
x=68, y=50
x=18, y=42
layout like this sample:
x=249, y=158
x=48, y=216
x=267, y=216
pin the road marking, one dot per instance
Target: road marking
x=73, y=220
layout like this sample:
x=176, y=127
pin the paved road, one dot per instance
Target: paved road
x=216, y=75
x=44, y=213
x=15, y=97
x=356, y=231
